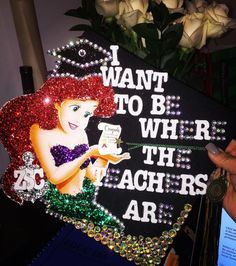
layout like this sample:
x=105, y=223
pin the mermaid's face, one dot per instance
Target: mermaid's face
x=74, y=114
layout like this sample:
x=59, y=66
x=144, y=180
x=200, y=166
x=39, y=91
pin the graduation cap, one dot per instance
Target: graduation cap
x=79, y=59
x=165, y=128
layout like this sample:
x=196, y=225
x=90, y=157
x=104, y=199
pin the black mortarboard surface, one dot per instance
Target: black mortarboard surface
x=190, y=105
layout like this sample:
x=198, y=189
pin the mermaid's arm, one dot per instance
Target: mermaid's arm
x=55, y=174
x=98, y=170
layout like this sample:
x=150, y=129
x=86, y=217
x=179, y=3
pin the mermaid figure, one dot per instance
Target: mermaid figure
x=51, y=124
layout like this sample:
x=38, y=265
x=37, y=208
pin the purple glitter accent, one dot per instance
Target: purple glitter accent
x=63, y=154
x=85, y=164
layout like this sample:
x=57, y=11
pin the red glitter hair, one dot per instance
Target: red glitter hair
x=19, y=114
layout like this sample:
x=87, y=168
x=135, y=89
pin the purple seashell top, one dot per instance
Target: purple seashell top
x=63, y=154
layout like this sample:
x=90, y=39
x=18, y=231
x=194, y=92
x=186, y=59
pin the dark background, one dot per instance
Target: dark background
x=24, y=231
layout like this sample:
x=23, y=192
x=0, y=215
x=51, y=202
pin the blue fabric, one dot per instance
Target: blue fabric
x=71, y=247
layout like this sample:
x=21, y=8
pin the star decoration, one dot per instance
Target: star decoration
x=119, y=141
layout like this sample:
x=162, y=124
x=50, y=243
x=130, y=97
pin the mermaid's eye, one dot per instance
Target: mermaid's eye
x=74, y=108
x=82, y=53
x=86, y=114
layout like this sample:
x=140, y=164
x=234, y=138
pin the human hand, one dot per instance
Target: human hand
x=223, y=159
x=226, y=160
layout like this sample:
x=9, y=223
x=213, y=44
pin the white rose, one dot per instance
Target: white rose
x=130, y=19
x=195, y=6
x=194, y=34
x=132, y=5
x=132, y=12
x=107, y=8
x=218, y=21
x=171, y=4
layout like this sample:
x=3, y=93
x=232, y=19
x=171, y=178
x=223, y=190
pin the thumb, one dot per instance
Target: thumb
x=221, y=159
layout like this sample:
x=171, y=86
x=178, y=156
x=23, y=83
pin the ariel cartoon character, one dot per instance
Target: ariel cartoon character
x=51, y=124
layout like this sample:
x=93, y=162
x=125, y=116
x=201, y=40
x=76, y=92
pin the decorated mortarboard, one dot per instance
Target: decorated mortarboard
x=79, y=59
x=136, y=176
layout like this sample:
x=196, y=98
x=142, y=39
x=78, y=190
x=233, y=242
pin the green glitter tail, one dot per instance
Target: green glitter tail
x=80, y=206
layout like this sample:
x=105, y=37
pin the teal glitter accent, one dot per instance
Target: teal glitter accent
x=79, y=206
x=138, y=145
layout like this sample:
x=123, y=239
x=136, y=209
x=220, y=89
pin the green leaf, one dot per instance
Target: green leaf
x=160, y=15
x=172, y=36
x=141, y=53
x=175, y=16
x=81, y=27
x=90, y=9
x=78, y=13
x=118, y=36
x=146, y=30
x=169, y=61
x=154, y=48
x=151, y=60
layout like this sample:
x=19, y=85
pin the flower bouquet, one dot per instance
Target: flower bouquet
x=167, y=34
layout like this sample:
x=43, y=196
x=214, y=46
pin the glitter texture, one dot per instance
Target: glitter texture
x=139, y=249
x=80, y=206
x=79, y=59
x=19, y=114
x=63, y=154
